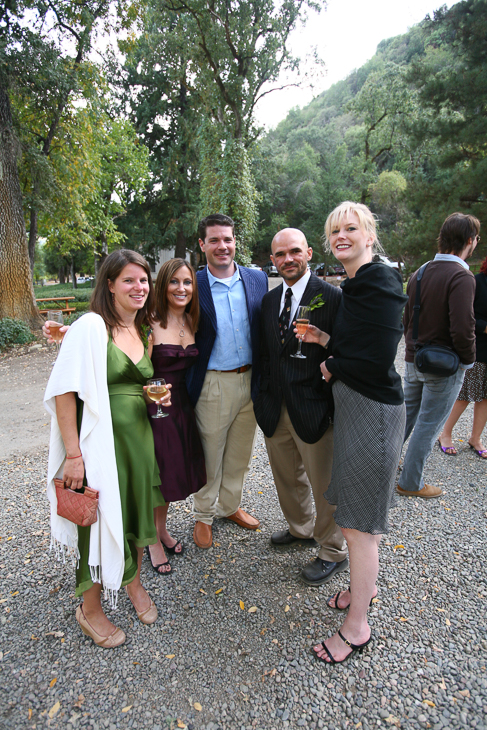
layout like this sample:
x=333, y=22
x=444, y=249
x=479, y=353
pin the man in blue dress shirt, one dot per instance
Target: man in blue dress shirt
x=225, y=377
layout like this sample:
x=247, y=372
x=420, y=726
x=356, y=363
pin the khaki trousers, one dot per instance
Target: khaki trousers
x=300, y=470
x=227, y=426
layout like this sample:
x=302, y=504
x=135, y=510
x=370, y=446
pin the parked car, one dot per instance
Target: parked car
x=388, y=262
x=254, y=266
x=329, y=270
x=270, y=269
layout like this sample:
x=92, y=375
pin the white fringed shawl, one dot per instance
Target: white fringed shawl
x=81, y=368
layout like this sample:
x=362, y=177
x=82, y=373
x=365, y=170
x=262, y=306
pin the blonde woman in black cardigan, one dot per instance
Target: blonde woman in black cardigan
x=370, y=415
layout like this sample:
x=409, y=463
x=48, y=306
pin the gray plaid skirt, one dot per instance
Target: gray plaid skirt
x=367, y=443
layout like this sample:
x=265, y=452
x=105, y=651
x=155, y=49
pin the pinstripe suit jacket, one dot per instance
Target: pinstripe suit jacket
x=299, y=382
x=255, y=285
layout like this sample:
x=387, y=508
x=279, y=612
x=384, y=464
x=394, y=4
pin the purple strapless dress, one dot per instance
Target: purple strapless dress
x=177, y=443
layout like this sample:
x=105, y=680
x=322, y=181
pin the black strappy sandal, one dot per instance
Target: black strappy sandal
x=336, y=597
x=172, y=550
x=353, y=647
x=155, y=568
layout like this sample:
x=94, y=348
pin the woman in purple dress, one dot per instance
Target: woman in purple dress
x=178, y=448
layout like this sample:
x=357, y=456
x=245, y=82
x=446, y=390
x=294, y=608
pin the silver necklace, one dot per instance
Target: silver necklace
x=181, y=331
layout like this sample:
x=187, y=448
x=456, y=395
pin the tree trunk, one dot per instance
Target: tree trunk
x=62, y=279
x=16, y=290
x=180, y=249
x=73, y=274
x=32, y=237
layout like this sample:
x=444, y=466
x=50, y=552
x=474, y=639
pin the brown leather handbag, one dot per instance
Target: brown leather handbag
x=78, y=507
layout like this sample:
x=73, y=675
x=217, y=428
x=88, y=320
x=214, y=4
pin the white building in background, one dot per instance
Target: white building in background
x=164, y=255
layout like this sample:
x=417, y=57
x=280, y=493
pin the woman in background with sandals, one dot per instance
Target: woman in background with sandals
x=177, y=444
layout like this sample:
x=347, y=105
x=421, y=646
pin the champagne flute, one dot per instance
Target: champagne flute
x=155, y=391
x=302, y=324
x=56, y=318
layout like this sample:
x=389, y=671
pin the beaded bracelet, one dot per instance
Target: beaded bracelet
x=75, y=457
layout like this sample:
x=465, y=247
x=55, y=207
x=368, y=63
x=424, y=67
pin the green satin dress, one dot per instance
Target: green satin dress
x=138, y=474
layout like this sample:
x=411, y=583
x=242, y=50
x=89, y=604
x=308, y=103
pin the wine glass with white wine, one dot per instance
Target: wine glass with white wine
x=56, y=318
x=302, y=324
x=155, y=390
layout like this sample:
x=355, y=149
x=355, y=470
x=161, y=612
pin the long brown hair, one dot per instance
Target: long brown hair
x=166, y=272
x=102, y=301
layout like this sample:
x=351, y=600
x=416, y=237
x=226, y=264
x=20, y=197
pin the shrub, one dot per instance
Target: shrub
x=14, y=332
x=73, y=317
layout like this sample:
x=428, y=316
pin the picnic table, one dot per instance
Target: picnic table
x=65, y=310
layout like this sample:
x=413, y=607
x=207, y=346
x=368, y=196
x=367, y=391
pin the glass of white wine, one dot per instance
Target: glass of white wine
x=302, y=324
x=56, y=318
x=156, y=389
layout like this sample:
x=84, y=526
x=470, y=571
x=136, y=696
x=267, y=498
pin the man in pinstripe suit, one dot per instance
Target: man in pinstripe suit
x=225, y=377
x=294, y=405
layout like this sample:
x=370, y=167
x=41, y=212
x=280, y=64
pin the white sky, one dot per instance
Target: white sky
x=346, y=35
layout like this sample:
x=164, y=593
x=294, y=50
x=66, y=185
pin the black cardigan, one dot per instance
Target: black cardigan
x=480, y=312
x=367, y=331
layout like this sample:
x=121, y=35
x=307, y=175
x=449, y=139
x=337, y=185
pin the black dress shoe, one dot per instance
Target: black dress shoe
x=321, y=571
x=283, y=538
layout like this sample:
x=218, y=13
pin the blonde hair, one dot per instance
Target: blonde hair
x=367, y=222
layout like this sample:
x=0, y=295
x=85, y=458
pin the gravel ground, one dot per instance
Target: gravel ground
x=231, y=647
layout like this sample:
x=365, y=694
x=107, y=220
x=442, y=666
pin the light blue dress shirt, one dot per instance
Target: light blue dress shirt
x=232, y=348
x=451, y=257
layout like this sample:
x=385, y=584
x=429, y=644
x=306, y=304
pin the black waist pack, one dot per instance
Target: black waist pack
x=436, y=360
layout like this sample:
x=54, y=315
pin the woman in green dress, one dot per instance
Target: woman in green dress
x=100, y=433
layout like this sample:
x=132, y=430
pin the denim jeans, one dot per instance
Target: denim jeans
x=429, y=400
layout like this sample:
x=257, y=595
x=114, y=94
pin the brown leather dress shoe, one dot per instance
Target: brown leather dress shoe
x=244, y=520
x=202, y=535
x=428, y=492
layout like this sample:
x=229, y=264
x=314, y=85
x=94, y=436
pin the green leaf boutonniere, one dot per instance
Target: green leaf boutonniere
x=316, y=302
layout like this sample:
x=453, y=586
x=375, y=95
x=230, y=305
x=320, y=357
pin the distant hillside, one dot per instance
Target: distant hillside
x=400, y=134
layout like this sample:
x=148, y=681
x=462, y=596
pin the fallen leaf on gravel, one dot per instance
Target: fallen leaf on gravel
x=34, y=638
x=242, y=605
x=170, y=656
x=274, y=641
x=263, y=631
x=81, y=699
x=218, y=591
x=54, y=710
x=3, y=600
x=375, y=600
x=429, y=703
x=30, y=714
x=260, y=492
x=15, y=593
x=441, y=609
x=126, y=709
x=272, y=619
x=398, y=547
x=57, y=634
x=202, y=591
x=53, y=682
x=393, y=720
x=464, y=692
x=197, y=706
x=252, y=609
x=181, y=724
x=448, y=622
x=403, y=619
x=54, y=590
x=286, y=608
